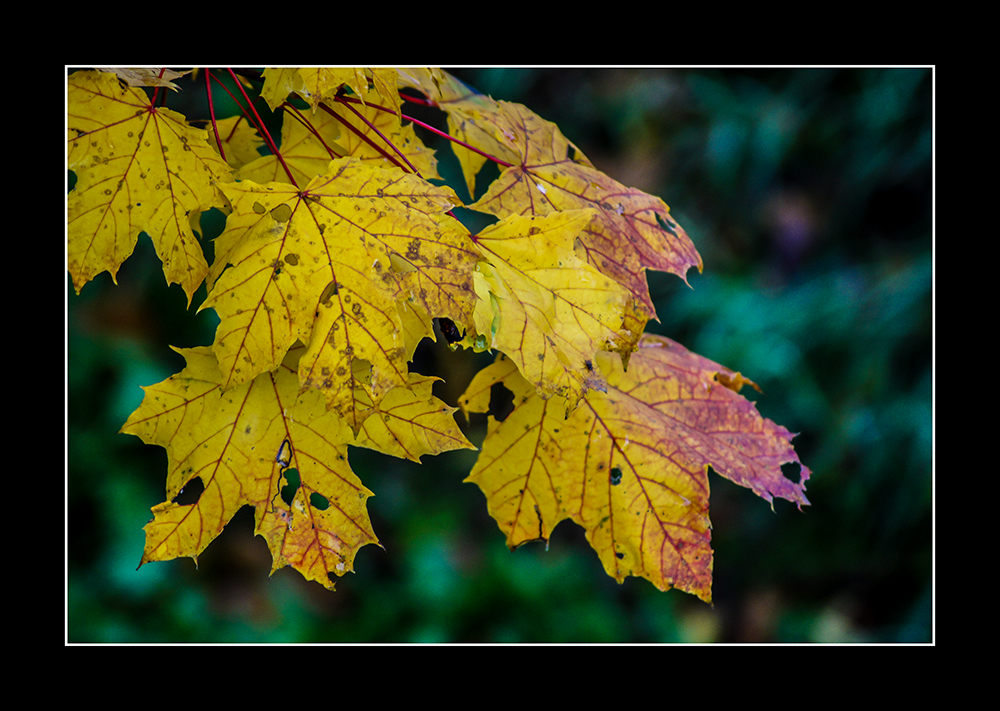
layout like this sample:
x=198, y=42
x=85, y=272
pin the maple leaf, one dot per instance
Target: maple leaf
x=240, y=442
x=231, y=441
x=555, y=311
x=631, y=465
x=138, y=168
x=632, y=231
x=329, y=265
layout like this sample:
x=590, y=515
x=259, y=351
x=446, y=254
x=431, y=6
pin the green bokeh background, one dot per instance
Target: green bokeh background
x=808, y=193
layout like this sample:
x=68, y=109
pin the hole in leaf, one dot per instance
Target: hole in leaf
x=616, y=476
x=474, y=221
x=449, y=330
x=284, y=457
x=361, y=370
x=291, y=488
x=792, y=471
x=318, y=501
x=501, y=402
x=664, y=224
x=486, y=176
x=191, y=493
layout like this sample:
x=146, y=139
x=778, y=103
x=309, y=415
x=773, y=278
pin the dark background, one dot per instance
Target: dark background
x=808, y=193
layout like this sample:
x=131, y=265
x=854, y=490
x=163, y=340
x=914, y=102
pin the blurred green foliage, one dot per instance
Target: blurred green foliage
x=808, y=193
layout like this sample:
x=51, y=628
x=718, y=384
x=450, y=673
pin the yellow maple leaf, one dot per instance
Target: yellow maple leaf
x=631, y=465
x=554, y=311
x=240, y=443
x=235, y=442
x=139, y=168
x=328, y=265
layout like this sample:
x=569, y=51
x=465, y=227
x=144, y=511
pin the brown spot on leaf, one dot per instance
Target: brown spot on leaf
x=329, y=292
x=281, y=213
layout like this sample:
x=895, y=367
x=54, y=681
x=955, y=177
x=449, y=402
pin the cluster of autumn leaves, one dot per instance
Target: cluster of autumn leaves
x=337, y=254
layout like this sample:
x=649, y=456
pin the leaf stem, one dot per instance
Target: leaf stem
x=156, y=91
x=423, y=101
x=263, y=129
x=211, y=112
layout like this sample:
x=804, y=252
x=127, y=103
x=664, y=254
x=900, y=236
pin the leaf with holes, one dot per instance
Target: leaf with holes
x=238, y=443
x=138, y=169
x=329, y=265
x=631, y=465
x=242, y=444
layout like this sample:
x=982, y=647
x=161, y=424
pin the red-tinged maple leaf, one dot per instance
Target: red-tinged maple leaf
x=630, y=465
x=633, y=231
x=139, y=169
